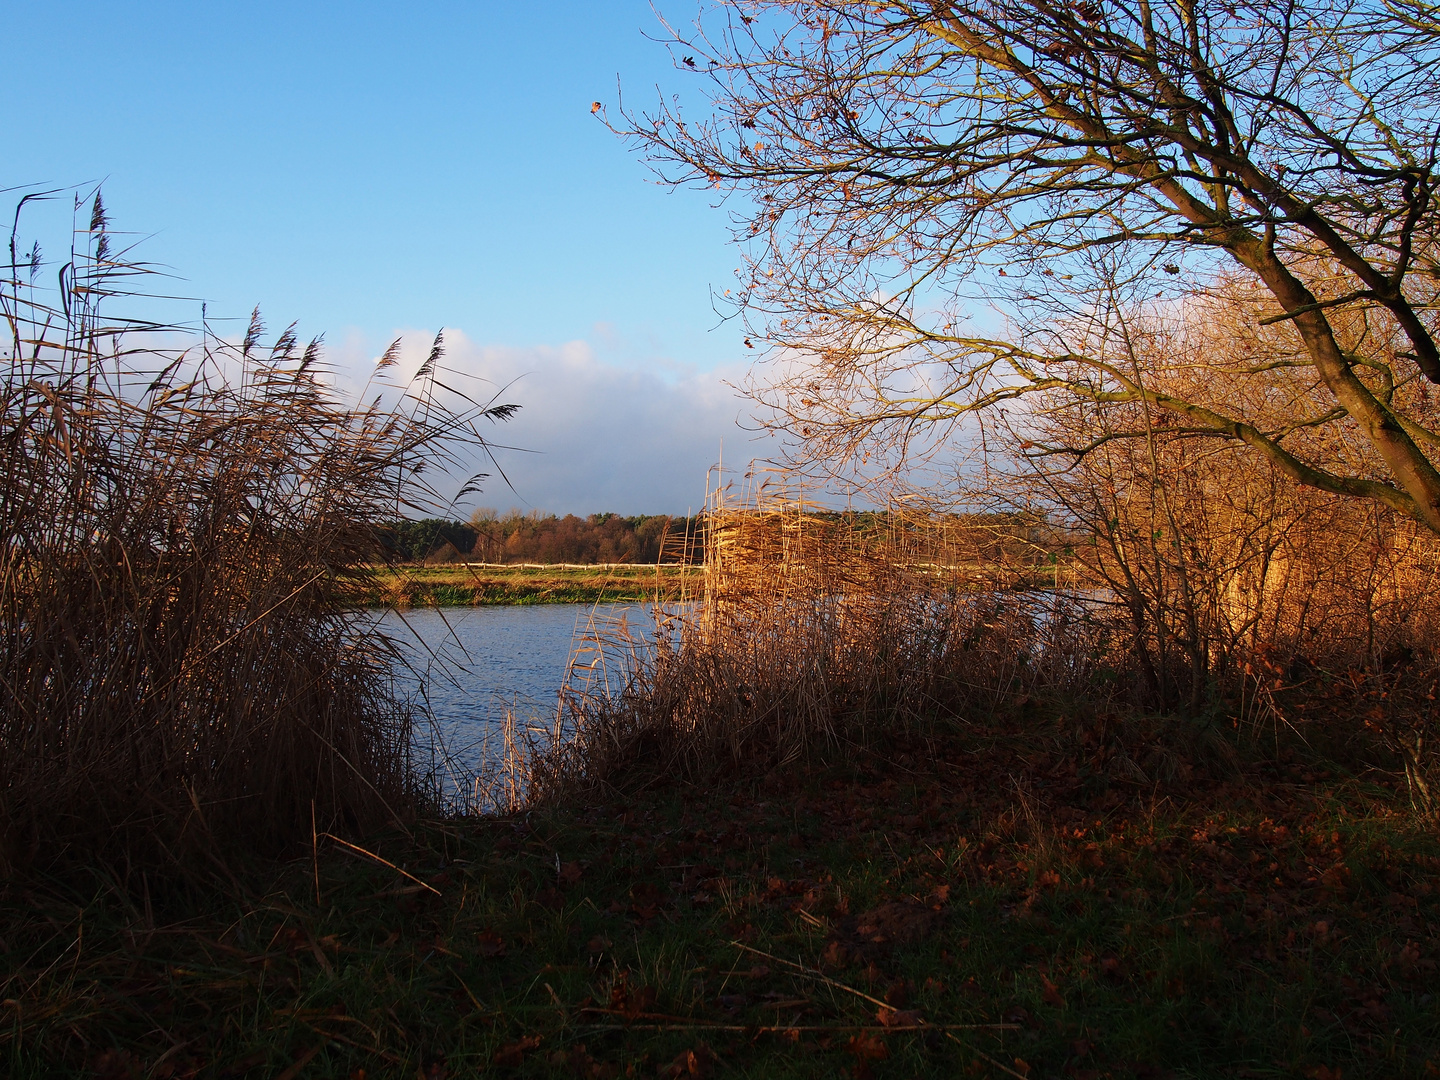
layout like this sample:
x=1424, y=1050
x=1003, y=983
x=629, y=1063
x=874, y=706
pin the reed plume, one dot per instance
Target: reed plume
x=183, y=524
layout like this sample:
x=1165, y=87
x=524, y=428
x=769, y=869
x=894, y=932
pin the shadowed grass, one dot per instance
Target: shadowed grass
x=970, y=904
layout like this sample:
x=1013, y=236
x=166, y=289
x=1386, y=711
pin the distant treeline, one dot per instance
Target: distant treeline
x=544, y=538
x=533, y=537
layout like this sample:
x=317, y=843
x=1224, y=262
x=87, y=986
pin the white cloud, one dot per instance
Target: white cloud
x=601, y=436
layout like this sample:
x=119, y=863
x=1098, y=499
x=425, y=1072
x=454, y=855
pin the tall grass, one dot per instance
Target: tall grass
x=819, y=635
x=814, y=635
x=182, y=519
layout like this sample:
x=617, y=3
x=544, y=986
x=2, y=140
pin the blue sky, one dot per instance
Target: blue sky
x=372, y=169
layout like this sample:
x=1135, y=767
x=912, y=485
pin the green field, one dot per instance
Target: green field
x=463, y=584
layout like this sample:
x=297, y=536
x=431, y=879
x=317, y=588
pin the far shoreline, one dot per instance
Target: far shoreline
x=477, y=584
x=473, y=584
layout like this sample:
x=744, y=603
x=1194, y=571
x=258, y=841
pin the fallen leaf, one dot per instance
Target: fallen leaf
x=632, y=1000
x=1016, y=1014
x=868, y=1047
x=899, y=1018
x=490, y=944
x=1051, y=993
x=699, y=1062
x=513, y=1054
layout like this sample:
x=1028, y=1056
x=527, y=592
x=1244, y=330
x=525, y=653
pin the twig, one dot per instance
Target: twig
x=377, y=858
x=812, y=920
x=384, y=1055
x=986, y=1057
x=299, y=1063
x=815, y=975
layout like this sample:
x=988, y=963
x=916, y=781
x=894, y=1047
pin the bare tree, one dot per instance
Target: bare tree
x=1073, y=165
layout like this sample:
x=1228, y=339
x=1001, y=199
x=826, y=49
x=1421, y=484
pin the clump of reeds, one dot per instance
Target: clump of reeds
x=816, y=634
x=180, y=529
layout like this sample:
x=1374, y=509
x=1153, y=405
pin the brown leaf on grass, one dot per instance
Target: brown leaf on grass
x=1051, y=993
x=645, y=901
x=597, y=944
x=699, y=1062
x=875, y=933
x=489, y=944
x=632, y=1000
x=550, y=898
x=1336, y=879
x=868, y=1047
x=899, y=1018
x=570, y=874
x=1016, y=1014
x=513, y=1054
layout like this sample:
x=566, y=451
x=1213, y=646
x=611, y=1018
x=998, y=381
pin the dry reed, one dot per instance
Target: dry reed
x=182, y=672
x=817, y=633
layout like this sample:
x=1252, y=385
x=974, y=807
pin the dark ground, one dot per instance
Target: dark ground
x=1013, y=900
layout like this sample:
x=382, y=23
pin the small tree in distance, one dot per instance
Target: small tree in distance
x=1082, y=167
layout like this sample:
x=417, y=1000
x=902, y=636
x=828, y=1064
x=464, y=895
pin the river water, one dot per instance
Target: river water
x=466, y=668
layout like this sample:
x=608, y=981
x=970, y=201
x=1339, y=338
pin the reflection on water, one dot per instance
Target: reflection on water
x=469, y=666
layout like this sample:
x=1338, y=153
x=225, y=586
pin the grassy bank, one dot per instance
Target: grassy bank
x=462, y=584
x=466, y=584
x=989, y=901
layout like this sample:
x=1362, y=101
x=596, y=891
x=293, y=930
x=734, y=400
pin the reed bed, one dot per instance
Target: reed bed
x=818, y=636
x=184, y=522
x=815, y=635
